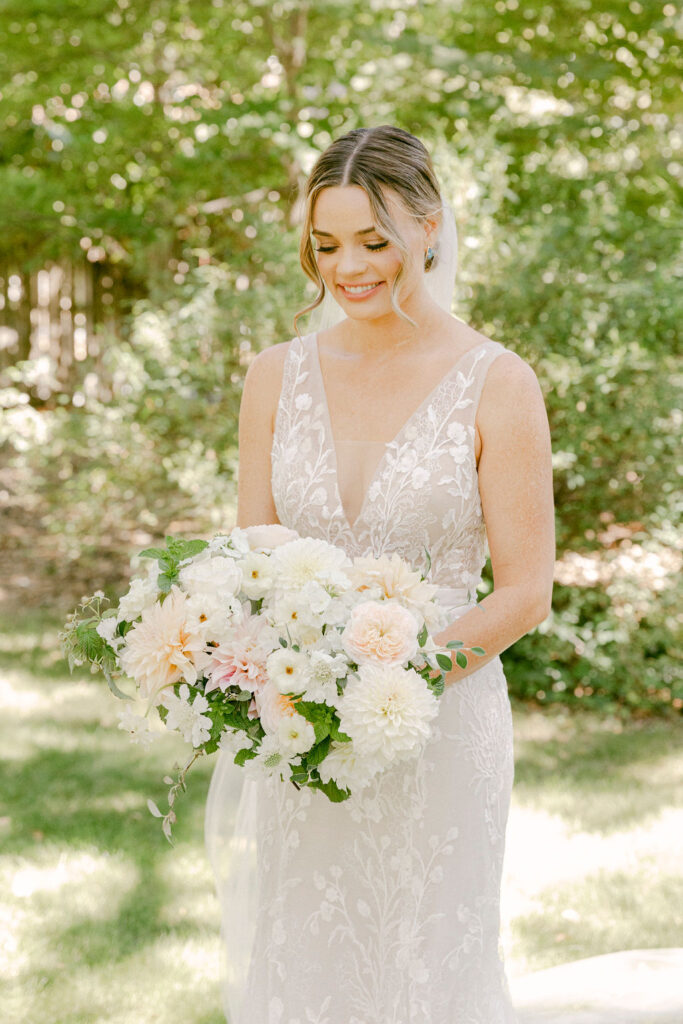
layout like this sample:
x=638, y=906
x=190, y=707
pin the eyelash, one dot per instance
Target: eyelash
x=372, y=248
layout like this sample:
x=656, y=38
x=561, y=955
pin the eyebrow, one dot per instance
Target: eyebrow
x=326, y=234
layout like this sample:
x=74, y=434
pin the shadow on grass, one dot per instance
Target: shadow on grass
x=625, y=774
x=53, y=792
x=602, y=912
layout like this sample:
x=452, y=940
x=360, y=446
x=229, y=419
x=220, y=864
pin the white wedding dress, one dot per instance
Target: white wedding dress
x=383, y=909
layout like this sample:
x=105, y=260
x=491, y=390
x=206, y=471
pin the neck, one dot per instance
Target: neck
x=384, y=334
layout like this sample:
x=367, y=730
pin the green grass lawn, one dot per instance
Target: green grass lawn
x=103, y=922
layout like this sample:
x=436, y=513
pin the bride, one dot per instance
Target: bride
x=394, y=427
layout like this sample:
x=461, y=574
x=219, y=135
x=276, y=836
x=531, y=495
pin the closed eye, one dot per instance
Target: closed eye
x=373, y=247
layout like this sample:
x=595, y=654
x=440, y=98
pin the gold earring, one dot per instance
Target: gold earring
x=429, y=258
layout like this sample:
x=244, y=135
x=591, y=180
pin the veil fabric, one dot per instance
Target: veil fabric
x=232, y=804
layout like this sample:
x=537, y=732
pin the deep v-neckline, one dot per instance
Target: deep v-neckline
x=427, y=400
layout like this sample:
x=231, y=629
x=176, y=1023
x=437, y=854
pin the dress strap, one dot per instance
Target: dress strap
x=481, y=359
x=295, y=370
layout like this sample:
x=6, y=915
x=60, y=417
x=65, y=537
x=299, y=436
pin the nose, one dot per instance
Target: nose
x=351, y=260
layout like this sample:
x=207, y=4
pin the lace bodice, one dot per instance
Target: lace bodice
x=423, y=495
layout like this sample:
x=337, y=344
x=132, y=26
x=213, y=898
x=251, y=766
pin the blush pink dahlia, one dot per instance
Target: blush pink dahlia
x=240, y=661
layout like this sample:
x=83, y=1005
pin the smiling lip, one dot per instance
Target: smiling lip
x=365, y=290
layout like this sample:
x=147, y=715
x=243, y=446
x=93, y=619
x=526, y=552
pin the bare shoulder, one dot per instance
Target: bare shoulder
x=262, y=386
x=267, y=365
x=511, y=388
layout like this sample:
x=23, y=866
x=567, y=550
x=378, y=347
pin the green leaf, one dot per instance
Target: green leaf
x=89, y=642
x=444, y=662
x=158, y=553
x=319, y=752
x=422, y=636
x=455, y=643
x=244, y=755
x=299, y=775
x=164, y=583
x=113, y=687
x=478, y=650
x=461, y=659
x=337, y=735
x=331, y=790
x=436, y=686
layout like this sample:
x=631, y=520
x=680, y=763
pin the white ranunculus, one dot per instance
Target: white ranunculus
x=386, y=711
x=142, y=593
x=188, y=717
x=258, y=575
x=217, y=576
x=295, y=735
x=309, y=559
x=287, y=670
x=268, y=536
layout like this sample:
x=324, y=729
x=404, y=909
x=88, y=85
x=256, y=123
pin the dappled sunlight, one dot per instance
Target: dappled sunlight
x=569, y=881
x=166, y=980
x=542, y=850
x=190, y=895
x=69, y=700
x=54, y=887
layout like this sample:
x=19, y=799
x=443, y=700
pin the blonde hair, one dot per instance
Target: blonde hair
x=378, y=158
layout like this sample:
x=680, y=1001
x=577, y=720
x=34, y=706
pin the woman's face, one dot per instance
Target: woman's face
x=357, y=263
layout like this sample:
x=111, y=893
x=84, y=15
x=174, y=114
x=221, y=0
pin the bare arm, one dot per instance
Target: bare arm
x=515, y=483
x=256, y=424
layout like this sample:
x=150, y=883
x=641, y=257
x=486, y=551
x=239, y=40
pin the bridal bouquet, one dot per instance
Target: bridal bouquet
x=277, y=648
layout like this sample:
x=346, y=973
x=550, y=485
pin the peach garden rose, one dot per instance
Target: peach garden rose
x=381, y=631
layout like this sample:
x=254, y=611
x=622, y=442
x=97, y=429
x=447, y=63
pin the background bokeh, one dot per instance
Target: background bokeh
x=151, y=167
x=152, y=157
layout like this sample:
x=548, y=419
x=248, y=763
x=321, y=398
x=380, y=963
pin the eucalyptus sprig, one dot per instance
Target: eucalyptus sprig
x=169, y=819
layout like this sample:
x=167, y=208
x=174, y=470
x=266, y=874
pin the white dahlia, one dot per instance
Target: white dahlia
x=168, y=644
x=386, y=710
x=309, y=559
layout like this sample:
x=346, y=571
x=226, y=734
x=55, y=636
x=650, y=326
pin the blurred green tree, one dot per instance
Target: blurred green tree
x=169, y=142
